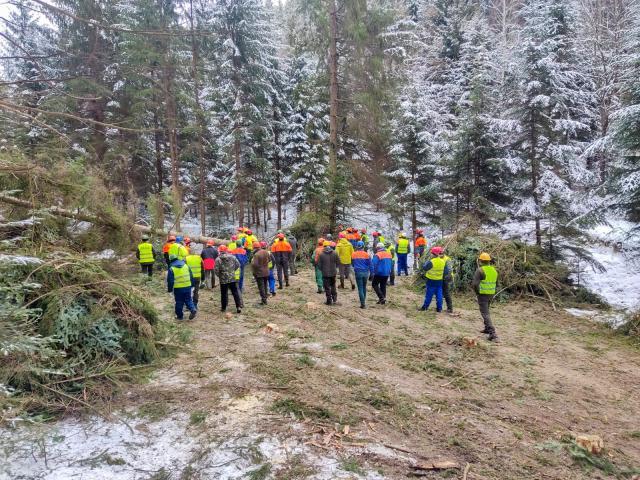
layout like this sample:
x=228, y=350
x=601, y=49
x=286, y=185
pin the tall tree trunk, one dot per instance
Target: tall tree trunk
x=239, y=179
x=201, y=124
x=172, y=135
x=276, y=139
x=333, y=114
x=534, y=177
x=157, y=138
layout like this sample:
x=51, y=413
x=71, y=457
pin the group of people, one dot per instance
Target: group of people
x=348, y=259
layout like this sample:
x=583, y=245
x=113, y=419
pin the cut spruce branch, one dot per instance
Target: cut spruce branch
x=85, y=217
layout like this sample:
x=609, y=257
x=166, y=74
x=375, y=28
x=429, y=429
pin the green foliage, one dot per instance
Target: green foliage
x=631, y=326
x=290, y=406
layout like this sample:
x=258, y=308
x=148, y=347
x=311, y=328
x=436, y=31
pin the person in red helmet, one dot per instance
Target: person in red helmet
x=171, y=239
x=420, y=244
x=435, y=270
x=260, y=269
x=209, y=255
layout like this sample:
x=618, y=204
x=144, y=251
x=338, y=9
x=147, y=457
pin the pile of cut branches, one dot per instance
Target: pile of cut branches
x=68, y=333
x=525, y=270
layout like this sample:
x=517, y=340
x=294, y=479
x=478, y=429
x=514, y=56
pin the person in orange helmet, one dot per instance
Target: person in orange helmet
x=171, y=239
x=282, y=252
x=314, y=261
x=209, y=255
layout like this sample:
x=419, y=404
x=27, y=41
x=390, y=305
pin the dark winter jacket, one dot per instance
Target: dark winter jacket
x=209, y=252
x=260, y=263
x=226, y=266
x=328, y=262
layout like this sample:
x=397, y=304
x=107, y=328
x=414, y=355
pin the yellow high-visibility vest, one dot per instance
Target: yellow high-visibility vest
x=437, y=269
x=181, y=276
x=195, y=264
x=145, y=249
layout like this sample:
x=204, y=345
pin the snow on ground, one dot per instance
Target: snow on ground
x=613, y=319
x=107, y=254
x=228, y=445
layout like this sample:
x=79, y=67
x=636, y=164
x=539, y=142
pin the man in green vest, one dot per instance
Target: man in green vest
x=389, y=247
x=484, y=284
x=146, y=256
x=178, y=249
x=195, y=263
x=180, y=281
x=436, y=269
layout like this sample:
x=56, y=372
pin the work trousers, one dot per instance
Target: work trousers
x=392, y=277
x=283, y=271
x=183, y=298
x=329, y=285
x=224, y=295
x=292, y=264
x=272, y=282
x=196, y=291
x=346, y=271
x=402, y=264
x=361, y=281
x=379, y=285
x=446, y=293
x=263, y=288
x=209, y=278
x=241, y=281
x=484, y=302
x=319, y=278
x=147, y=268
x=434, y=287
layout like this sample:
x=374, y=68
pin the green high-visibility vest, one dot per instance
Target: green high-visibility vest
x=237, y=274
x=392, y=250
x=365, y=239
x=488, y=285
x=232, y=246
x=437, y=269
x=403, y=245
x=178, y=250
x=181, y=276
x=145, y=249
x=195, y=264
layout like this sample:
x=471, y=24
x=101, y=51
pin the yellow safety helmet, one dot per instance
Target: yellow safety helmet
x=485, y=257
x=327, y=243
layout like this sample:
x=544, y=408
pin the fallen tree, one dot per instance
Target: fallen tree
x=94, y=219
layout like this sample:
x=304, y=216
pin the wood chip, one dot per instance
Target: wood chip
x=438, y=465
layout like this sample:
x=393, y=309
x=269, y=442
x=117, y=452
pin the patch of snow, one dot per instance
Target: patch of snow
x=107, y=254
x=614, y=319
x=580, y=313
x=19, y=260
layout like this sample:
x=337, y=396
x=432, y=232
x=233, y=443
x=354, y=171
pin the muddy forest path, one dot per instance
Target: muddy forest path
x=391, y=376
x=341, y=392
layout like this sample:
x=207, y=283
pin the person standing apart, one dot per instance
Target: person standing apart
x=381, y=268
x=447, y=282
x=362, y=268
x=209, y=255
x=435, y=268
x=403, y=249
x=484, y=284
x=260, y=269
x=293, y=241
x=228, y=271
x=180, y=282
x=146, y=256
x=281, y=250
x=328, y=262
x=344, y=249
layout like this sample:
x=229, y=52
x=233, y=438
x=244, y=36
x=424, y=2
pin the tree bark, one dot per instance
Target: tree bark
x=170, y=111
x=333, y=114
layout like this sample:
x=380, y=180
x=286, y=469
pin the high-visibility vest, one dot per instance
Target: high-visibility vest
x=365, y=239
x=421, y=241
x=281, y=246
x=251, y=239
x=237, y=274
x=179, y=250
x=232, y=246
x=392, y=251
x=403, y=245
x=488, y=285
x=195, y=264
x=145, y=249
x=181, y=276
x=437, y=269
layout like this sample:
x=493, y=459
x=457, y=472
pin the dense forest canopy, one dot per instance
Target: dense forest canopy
x=435, y=110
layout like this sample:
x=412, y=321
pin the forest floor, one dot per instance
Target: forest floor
x=340, y=392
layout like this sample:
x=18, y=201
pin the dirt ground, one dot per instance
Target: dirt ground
x=389, y=387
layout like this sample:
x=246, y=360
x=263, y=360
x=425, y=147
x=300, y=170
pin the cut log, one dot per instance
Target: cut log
x=84, y=217
x=591, y=443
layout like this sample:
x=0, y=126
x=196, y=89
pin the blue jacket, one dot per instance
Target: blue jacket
x=382, y=264
x=361, y=261
x=177, y=263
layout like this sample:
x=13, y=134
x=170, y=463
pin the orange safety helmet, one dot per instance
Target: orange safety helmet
x=281, y=235
x=320, y=241
x=210, y=243
x=223, y=249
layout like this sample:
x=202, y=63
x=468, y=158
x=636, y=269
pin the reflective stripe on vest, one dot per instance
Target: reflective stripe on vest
x=392, y=251
x=145, y=250
x=403, y=245
x=237, y=274
x=195, y=263
x=181, y=276
x=488, y=285
x=437, y=269
x=232, y=246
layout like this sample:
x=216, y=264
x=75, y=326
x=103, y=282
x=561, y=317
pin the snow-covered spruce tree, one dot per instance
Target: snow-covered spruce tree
x=550, y=118
x=626, y=175
x=244, y=88
x=305, y=145
x=475, y=177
